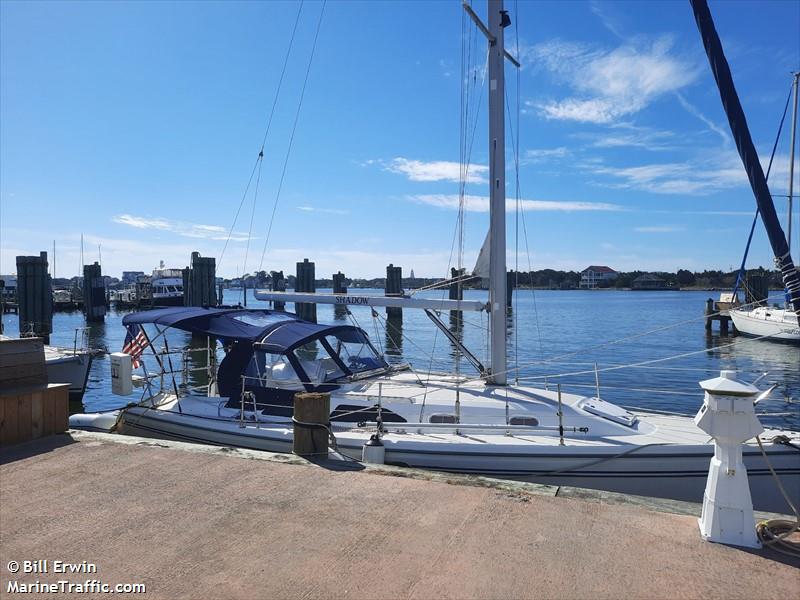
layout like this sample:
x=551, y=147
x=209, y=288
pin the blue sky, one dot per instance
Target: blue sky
x=137, y=124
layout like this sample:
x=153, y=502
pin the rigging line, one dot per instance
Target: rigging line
x=264, y=140
x=238, y=210
x=658, y=368
x=469, y=156
x=639, y=364
x=741, y=273
x=253, y=212
x=631, y=365
x=635, y=336
x=519, y=202
x=521, y=213
x=294, y=130
x=464, y=104
x=445, y=283
x=477, y=114
x=283, y=72
x=623, y=388
x=455, y=231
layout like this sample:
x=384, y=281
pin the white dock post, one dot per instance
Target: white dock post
x=121, y=374
x=728, y=415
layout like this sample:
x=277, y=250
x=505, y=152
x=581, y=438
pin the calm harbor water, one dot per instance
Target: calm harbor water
x=555, y=337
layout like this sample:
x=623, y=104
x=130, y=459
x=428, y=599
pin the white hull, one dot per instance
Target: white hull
x=769, y=323
x=65, y=367
x=661, y=456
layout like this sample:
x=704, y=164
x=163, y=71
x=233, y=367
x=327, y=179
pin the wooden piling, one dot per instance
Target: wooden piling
x=34, y=296
x=144, y=292
x=511, y=282
x=306, y=283
x=312, y=412
x=200, y=281
x=339, y=286
x=278, y=285
x=456, y=290
x=718, y=312
x=94, y=293
x=756, y=290
x=393, y=287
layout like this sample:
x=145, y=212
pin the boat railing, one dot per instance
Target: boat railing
x=82, y=337
x=183, y=370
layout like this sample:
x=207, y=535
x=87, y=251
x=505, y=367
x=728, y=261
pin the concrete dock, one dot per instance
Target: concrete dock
x=193, y=521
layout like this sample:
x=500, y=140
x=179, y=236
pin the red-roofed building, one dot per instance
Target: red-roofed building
x=595, y=275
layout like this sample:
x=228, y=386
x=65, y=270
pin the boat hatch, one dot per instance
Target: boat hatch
x=609, y=411
x=358, y=413
x=527, y=421
x=442, y=419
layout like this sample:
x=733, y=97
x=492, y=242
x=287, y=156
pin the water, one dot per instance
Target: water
x=570, y=330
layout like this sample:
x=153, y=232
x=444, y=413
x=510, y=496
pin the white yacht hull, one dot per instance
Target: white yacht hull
x=64, y=367
x=650, y=466
x=769, y=323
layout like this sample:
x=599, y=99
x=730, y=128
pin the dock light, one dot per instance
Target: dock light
x=728, y=415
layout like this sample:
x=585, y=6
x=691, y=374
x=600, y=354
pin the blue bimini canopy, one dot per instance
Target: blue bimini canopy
x=226, y=323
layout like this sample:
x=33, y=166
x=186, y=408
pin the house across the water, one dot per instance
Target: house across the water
x=597, y=276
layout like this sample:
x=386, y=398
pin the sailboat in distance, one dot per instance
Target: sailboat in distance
x=446, y=422
x=776, y=323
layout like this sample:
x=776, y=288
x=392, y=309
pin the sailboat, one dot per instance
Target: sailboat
x=773, y=322
x=445, y=422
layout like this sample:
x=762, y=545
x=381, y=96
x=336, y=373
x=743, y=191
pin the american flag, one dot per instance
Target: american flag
x=135, y=344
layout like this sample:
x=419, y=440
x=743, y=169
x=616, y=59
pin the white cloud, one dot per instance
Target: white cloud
x=660, y=229
x=609, y=22
x=141, y=222
x=181, y=228
x=721, y=171
x=481, y=204
x=330, y=211
x=693, y=110
x=543, y=154
x=439, y=170
x=625, y=134
x=609, y=84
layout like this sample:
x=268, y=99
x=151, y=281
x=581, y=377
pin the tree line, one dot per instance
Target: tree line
x=551, y=279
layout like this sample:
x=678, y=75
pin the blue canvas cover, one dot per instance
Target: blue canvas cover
x=287, y=336
x=225, y=323
x=277, y=331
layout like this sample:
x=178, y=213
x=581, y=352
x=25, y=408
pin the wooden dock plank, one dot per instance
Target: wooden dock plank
x=37, y=414
x=8, y=432
x=23, y=416
x=32, y=412
x=49, y=414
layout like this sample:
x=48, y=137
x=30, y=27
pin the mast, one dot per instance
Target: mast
x=791, y=162
x=498, y=19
